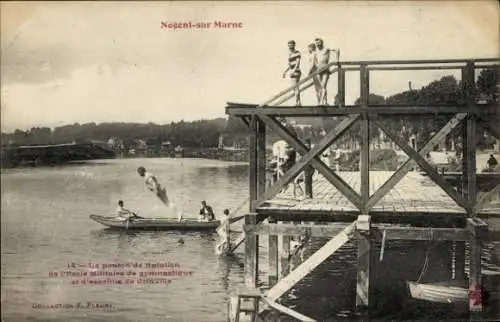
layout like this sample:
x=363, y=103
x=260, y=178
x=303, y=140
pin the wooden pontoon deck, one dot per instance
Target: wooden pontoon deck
x=415, y=194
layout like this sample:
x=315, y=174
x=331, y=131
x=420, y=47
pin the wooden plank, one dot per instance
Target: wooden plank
x=292, y=95
x=420, y=62
x=486, y=198
x=273, y=255
x=234, y=309
x=311, y=263
x=261, y=158
x=245, y=121
x=492, y=127
x=307, y=158
x=477, y=229
x=251, y=248
x=469, y=151
x=365, y=163
x=238, y=242
x=470, y=155
x=463, y=133
x=433, y=175
x=302, y=81
x=408, y=68
x=459, y=261
x=285, y=267
x=424, y=233
x=252, y=172
x=363, y=286
x=341, y=87
x=287, y=311
x=350, y=194
x=482, y=110
x=393, y=232
x=406, y=167
x=364, y=90
x=364, y=166
x=235, y=219
x=319, y=230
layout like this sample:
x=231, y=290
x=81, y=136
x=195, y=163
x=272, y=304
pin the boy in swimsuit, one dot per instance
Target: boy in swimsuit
x=294, y=68
x=313, y=67
x=323, y=59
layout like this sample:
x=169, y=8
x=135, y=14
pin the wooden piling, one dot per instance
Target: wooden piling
x=273, y=258
x=261, y=157
x=251, y=249
x=478, y=230
x=459, y=267
x=363, y=287
x=285, y=254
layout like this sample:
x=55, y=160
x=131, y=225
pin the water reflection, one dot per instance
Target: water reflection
x=230, y=265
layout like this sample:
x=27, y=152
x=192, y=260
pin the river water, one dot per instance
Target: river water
x=46, y=228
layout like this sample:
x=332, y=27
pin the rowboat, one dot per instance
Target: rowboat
x=156, y=223
x=437, y=293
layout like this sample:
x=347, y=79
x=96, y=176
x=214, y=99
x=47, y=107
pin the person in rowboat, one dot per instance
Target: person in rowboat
x=206, y=212
x=123, y=213
x=153, y=185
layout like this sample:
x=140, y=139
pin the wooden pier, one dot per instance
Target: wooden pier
x=365, y=205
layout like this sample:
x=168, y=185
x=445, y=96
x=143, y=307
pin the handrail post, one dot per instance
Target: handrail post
x=261, y=157
x=253, y=156
x=364, y=166
x=341, y=87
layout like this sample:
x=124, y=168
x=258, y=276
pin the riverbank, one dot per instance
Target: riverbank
x=39, y=156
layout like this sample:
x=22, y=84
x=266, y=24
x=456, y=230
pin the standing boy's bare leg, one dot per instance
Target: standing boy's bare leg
x=324, y=77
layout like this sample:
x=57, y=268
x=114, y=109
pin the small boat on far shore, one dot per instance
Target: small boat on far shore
x=155, y=223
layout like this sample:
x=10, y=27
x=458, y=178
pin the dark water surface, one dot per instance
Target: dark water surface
x=45, y=227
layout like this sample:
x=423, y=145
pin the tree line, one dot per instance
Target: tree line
x=206, y=133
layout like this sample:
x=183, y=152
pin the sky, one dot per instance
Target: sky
x=63, y=63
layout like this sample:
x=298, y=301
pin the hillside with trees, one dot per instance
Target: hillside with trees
x=207, y=133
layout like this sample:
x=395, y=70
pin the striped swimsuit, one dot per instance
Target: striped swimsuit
x=293, y=61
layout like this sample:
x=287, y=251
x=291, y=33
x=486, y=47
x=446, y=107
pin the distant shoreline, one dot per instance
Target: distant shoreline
x=94, y=161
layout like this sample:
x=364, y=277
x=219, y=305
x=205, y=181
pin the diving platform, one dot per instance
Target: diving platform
x=415, y=194
x=365, y=205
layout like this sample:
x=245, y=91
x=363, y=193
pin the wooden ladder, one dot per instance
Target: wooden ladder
x=237, y=307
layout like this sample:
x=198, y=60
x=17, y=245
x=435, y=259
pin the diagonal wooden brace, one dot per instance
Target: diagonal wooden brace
x=406, y=167
x=312, y=158
x=306, y=159
x=245, y=121
x=286, y=310
x=292, y=95
x=493, y=128
x=295, y=276
x=486, y=198
x=433, y=175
